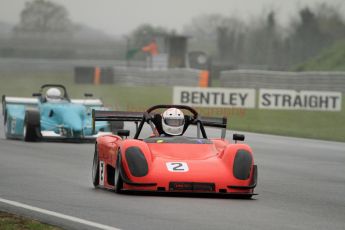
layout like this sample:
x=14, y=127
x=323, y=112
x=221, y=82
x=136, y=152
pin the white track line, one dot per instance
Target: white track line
x=58, y=215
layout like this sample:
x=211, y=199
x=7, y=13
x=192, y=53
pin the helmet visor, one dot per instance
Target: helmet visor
x=174, y=122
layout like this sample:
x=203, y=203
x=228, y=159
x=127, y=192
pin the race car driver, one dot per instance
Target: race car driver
x=173, y=122
x=53, y=95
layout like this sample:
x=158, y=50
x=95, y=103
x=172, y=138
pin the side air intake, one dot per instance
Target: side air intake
x=136, y=162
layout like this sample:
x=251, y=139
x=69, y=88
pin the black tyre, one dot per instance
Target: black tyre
x=95, y=168
x=5, y=125
x=32, y=126
x=5, y=116
x=118, y=182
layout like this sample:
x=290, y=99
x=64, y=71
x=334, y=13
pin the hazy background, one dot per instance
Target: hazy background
x=261, y=34
x=120, y=17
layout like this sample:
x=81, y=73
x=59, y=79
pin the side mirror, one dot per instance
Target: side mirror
x=238, y=137
x=88, y=95
x=36, y=94
x=123, y=132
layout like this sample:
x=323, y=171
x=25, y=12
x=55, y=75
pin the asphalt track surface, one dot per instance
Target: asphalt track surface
x=301, y=186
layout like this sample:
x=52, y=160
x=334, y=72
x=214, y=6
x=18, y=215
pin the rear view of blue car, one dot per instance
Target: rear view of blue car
x=51, y=115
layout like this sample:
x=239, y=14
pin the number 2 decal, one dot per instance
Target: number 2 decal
x=177, y=166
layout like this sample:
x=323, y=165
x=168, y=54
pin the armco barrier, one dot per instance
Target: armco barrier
x=84, y=75
x=322, y=81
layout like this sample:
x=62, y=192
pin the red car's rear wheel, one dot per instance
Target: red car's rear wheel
x=95, y=168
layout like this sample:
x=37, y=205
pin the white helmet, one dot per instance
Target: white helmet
x=173, y=121
x=53, y=94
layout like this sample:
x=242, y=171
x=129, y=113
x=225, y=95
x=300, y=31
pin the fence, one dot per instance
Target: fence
x=323, y=81
x=43, y=66
x=137, y=76
x=156, y=77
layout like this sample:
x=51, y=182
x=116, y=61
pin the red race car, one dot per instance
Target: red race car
x=170, y=161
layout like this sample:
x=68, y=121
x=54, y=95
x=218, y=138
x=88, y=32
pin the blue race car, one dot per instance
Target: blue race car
x=51, y=114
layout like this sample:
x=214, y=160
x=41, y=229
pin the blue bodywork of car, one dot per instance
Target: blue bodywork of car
x=66, y=119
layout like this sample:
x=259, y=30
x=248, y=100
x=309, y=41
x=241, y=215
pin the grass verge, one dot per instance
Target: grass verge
x=12, y=222
x=330, y=59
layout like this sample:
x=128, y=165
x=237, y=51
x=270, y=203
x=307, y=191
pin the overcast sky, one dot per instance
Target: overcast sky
x=119, y=17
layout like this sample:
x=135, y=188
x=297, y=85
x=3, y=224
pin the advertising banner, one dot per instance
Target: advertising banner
x=214, y=97
x=299, y=100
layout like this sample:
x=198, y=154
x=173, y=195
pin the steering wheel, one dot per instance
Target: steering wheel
x=190, y=109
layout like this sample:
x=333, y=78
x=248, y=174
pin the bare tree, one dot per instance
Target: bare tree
x=42, y=17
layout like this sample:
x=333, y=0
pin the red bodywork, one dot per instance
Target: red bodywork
x=203, y=166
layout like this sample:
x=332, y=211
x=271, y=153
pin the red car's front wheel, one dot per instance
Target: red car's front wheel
x=118, y=183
